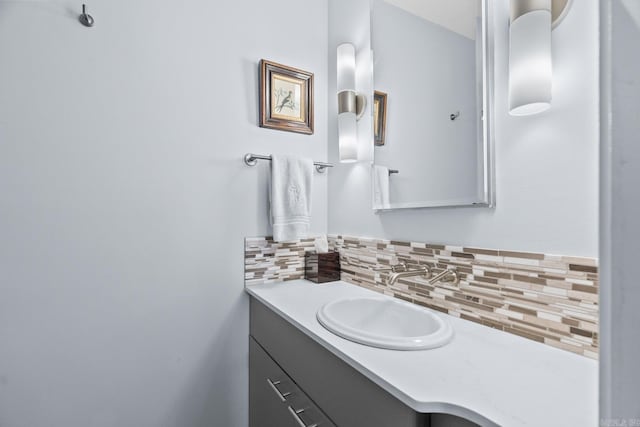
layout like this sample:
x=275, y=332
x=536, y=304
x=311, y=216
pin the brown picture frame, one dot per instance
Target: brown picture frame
x=379, y=117
x=286, y=98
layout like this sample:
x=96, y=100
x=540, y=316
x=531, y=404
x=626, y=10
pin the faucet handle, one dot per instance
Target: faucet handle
x=448, y=275
x=401, y=266
x=451, y=275
x=394, y=268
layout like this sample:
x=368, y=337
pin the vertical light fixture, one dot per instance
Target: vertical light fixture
x=350, y=103
x=530, y=71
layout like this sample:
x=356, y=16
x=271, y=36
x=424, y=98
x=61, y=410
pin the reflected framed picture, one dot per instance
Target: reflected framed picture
x=286, y=98
x=379, y=117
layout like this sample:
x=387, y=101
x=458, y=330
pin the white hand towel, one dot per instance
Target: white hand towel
x=291, y=183
x=380, y=186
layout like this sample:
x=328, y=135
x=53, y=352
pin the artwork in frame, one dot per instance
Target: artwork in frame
x=286, y=98
x=379, y=117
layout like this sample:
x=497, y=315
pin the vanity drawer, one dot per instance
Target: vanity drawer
x=275, y=399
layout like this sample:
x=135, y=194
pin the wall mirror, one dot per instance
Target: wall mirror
x=432, y=107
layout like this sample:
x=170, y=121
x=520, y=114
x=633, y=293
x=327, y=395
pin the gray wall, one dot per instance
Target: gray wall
x=421, y=141
x=124, y=203
x=620, y=213
x=546, y=165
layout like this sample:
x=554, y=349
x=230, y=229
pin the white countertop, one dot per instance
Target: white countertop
x=485, y=375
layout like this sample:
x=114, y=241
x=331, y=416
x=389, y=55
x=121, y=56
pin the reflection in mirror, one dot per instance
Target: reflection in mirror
x=432, y=145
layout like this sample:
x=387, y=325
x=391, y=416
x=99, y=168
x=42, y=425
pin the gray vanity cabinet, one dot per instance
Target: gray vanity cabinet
x=289, y=372
x=294, y=381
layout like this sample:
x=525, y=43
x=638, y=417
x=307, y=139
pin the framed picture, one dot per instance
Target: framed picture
x=286, y=98
x=379, y=117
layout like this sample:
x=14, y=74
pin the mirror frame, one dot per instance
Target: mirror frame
x=488, y=199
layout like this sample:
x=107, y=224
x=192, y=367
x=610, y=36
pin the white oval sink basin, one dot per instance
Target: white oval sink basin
x=385, y=323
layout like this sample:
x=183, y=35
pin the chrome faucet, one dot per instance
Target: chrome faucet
x=422, y=270
x=447, y=275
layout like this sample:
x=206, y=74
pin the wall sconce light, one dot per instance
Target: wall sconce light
x=530, y=69
x=351, y=105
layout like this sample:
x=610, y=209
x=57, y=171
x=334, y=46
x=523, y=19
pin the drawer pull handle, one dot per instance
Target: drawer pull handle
x=294, y=413
x=273, y=384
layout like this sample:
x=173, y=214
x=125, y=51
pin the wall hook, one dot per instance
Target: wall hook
x=86, y=19
x=455, y=115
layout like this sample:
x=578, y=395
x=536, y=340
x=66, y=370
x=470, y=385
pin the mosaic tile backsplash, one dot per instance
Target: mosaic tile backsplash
x=551, y=299
x=266, y=261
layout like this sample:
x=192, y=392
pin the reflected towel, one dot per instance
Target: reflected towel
x=291, y=183
x=380, y=186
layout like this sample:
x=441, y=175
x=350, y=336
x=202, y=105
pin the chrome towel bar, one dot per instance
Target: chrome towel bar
x=251, y=159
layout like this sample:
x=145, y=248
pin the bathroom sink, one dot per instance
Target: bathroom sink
x=385, y=323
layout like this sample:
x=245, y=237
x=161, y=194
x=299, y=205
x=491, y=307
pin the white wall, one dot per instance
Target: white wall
x=421, y=140
x=546, y=165
x=620, y=213
x=124, y=203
